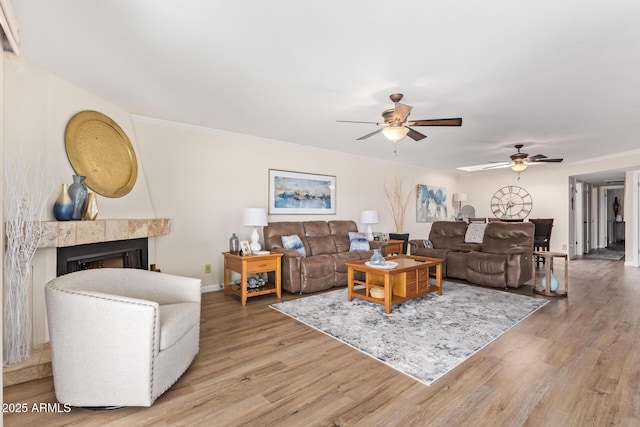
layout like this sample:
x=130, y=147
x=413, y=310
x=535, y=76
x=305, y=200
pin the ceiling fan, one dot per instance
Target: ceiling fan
x=518, y=163
x=396, y=124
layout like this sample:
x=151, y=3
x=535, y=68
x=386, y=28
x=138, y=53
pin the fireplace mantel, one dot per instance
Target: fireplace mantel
x=58, y=234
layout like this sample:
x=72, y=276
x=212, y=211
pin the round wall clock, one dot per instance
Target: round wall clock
x=511, y=202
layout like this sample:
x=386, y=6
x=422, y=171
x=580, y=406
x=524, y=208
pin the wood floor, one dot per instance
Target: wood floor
x=575, y=362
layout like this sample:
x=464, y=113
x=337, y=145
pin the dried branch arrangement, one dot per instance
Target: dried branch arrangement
x=23, y=209
x=398, y=203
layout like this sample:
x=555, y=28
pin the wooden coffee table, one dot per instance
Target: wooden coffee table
x=410, y=279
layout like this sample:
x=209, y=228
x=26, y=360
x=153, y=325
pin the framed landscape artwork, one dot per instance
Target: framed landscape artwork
x=431, y=203
x=301, y=193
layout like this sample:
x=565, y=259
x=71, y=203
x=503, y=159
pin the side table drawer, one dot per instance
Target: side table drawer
x=262, y=265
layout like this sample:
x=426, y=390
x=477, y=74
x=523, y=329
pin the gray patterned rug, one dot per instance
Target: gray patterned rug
x=423, y=338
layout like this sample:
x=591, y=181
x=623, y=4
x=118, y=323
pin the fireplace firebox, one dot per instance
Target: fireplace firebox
x=132, y=253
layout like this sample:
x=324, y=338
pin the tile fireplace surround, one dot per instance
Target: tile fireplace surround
x=58, y=234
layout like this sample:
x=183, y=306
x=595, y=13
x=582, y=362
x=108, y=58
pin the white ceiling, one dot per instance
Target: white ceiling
x=560, y=76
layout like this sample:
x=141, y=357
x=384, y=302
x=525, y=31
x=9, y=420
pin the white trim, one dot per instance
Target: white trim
x=210, y=288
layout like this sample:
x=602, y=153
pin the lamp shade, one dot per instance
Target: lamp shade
x=459, y=197
x=395, y=133
x=254, y=217
x=369, y=217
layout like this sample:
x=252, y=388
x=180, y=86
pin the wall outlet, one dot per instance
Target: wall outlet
x=207, y=268
x=564, y=247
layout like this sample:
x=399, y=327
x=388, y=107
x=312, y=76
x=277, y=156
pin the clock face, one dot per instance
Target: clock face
x=511, y=202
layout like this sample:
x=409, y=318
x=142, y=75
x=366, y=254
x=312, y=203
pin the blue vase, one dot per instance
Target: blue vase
x=63, y=207
x=78, y=193
x=553, y=282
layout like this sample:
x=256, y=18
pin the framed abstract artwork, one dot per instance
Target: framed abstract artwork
x=301, y=193
x=431, y=203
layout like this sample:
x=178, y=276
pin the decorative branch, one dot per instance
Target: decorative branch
x=23, y=227
x=398, y=203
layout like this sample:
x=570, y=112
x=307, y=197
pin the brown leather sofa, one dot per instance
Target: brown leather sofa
x=326, y=244
x=503, y=259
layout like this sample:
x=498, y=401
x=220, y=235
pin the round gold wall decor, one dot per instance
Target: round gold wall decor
x=100, y=150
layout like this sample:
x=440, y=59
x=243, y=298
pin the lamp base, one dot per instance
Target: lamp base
x=255, y=244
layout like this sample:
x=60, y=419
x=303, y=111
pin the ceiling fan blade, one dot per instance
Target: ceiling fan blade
x=437, y=122
x=498, y=165
x=536, y=157
x=415, y=135
x=491, y=165
x=355, y=121
x=547, y=161
x=401, y=112
x=370, y=134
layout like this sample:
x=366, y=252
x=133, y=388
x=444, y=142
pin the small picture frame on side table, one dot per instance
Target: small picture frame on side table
x=245, y=249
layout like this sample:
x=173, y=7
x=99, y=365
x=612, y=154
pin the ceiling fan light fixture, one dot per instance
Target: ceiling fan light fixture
x=395, y=133
x=519, y=167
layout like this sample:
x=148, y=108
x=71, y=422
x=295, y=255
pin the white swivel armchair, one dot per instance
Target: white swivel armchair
x=120, y=336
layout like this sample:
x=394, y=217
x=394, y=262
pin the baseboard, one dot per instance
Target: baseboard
x=211, y=288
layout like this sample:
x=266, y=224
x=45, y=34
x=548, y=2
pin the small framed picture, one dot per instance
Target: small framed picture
x=245, y=249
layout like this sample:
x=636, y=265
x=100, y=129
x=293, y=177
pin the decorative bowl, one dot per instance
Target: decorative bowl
x=376, y=292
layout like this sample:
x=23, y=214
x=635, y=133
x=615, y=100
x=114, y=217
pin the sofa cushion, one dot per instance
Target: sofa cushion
x=317, y=273
x=321, y=245
x=487, y=269
x=275, y=230
x=319, y=239
x=294, y=242
x=500, y=237
x=340, y=231
x=444, y=234
x=475, y=232
x=176, y=320
x=341, y=258
x=359, y=242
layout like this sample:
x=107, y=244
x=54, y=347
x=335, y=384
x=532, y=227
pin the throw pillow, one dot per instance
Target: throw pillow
x=475, y=233
x=359, y=242
x=427, y=244
x=294, y=242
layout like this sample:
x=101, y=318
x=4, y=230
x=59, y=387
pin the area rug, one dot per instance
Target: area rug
x=423, y=338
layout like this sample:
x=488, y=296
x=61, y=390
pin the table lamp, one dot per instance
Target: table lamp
x=459, y=197
x=254, y=217
x=369, y=217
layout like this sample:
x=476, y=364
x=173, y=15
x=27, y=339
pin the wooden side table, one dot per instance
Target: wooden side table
x=394, y=247
x=563, y=287
x=251, y=264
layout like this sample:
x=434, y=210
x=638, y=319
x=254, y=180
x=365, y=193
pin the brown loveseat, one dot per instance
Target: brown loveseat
x=326, y=244
x=502, y=259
